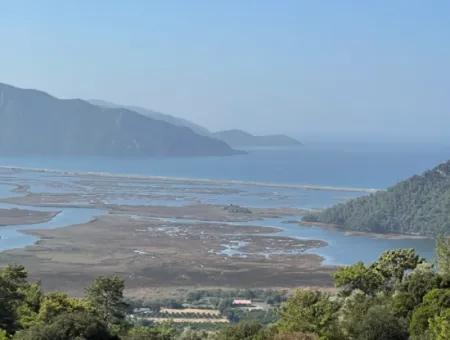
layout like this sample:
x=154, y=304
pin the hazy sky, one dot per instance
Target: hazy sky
x=351, y=70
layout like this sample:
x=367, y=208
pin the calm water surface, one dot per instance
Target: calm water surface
x=354, y=165
x=343, y=166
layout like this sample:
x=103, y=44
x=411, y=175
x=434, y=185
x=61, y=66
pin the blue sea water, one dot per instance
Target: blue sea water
x=347, y=165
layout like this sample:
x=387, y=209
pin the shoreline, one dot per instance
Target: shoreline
x=159, y=244
x=385, y=236
x=174, y=255
x=196, y=180
x=17, y=217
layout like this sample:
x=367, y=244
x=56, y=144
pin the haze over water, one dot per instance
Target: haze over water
x=343, y=165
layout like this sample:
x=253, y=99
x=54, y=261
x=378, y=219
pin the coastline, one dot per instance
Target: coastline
x=194, y=179
x=174, y=255
x=386, y=236
x=144, y=234
x=16, y=217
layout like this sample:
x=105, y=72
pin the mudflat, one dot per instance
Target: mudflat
x=20, y=216
x=160, y=247
x=151, y=254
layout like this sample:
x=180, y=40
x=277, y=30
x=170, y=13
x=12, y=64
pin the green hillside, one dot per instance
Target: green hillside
x=418, y=205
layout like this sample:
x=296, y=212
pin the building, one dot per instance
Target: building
x=242, y=303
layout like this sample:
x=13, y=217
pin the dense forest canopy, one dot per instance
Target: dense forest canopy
x=398, y=297
x=418, y=205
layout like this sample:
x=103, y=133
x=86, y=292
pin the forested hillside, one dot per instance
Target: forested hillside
x=418, y=205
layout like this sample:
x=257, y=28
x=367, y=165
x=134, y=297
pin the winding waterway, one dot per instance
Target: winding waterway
x=341, y=248
x=12, y=237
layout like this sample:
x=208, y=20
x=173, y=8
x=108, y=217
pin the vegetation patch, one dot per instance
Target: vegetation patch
x=418, y=205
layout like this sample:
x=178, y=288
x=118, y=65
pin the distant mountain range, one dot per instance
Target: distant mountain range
x=418, y=205
x=35, y=123
x=156, y=115
x=239, y=138
x=235, y=138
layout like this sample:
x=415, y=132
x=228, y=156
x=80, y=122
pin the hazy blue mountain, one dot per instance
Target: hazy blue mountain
x=235, y=138
x=418, y=205
x=156, y=115
x=239, y=138
x=33, y=122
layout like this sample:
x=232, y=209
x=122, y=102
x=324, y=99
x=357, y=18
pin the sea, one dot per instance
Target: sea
x=341, y=165
x=337, y=166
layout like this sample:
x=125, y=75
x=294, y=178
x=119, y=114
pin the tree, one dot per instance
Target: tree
x=106, y=297
x=310, y=312
x=164, y=331
x=381, y=323
x=412, y=289
x=191, y=334
x=13, y=283
x=28, y=309
x=357, y=276
x=440, y=326
x=443, y=255
x=296, y=336
x=15, y=274
x=434, y=303
x=353, y=311
x=247, y=330
x=76, y=325
x=3, y=335
x=393, y=264
x=55, y=304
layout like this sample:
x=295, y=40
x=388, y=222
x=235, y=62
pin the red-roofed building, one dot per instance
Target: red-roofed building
x=239, y=302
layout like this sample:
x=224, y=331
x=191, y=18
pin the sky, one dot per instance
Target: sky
x=317, y=70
